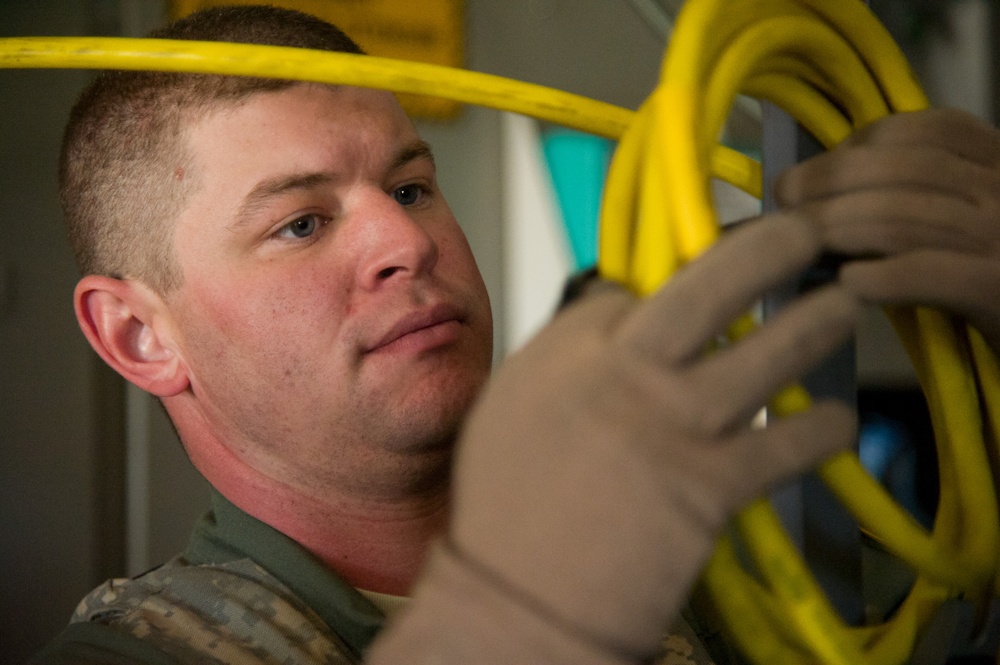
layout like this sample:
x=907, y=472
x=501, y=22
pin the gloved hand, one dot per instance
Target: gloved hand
x=596, y=471
x=916, y=197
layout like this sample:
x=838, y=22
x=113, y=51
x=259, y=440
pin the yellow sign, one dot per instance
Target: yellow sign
x=429, y=31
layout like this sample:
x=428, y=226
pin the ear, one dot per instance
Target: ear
x=125, y=322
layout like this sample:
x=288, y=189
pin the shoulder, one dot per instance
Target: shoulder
x=229, y=612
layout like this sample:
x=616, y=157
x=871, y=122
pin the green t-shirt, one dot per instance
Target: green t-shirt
x=241, y=592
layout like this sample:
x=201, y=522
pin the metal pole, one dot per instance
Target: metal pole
x=826, y=532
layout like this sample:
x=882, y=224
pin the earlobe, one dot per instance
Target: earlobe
x=119, y=319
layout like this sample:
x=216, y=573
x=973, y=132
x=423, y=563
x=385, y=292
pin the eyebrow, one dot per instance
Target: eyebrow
x=416, y=150
x=274, y=187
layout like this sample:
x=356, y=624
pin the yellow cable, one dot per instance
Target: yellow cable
x=961, y=539
x=810, y=41
x=788, y=580
x=750, y=610
x=818, y=116
x=574, y=111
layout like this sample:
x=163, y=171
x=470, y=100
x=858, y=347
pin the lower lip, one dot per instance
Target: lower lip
x=423, y=340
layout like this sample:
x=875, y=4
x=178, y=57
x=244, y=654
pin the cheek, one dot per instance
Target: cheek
x=460, y=265
x=262, y=366
x=261, y=329
x=455, y=254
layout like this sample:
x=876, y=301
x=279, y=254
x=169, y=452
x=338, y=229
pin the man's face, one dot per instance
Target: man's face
x=331, y=315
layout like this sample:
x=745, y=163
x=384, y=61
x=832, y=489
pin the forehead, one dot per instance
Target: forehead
x=339, y=135
x=306, y=94
x=308, y=119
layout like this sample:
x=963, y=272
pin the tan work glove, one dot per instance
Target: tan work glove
x=916, y=196
x=597, y=469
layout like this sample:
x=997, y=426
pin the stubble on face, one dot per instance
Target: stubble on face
x=272, y=339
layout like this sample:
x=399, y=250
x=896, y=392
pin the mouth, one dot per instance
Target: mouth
x=421, y=330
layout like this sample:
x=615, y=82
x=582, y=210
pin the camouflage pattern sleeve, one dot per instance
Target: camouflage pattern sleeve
x=222, y=613
x=683, y=646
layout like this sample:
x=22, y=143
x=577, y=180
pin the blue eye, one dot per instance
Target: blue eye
x=407, y=195
x=301, y=227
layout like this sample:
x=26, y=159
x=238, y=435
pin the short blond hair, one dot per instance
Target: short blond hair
x=122, y=170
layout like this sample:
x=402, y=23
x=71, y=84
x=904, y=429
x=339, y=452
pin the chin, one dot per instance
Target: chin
x=433, y=419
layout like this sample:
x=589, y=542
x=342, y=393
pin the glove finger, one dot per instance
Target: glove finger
x=720, y=476
x=892, y=221
x=725, y=389
x=953, y=130
x=919, y=168
x=599, y=307
x=789, y=446
x=959, y=283
x=675, y=323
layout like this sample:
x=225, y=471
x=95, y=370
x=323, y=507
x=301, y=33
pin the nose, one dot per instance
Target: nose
x=393, y=244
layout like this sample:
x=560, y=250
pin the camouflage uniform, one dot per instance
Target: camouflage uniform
x=241, y=593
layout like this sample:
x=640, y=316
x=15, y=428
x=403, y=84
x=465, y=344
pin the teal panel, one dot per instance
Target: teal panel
x=578, y=163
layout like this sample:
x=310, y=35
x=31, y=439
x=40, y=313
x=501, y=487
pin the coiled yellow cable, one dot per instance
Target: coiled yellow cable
x=832, y=66
x=839, y=52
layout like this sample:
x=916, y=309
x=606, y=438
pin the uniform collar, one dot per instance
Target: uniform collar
x=228, y=534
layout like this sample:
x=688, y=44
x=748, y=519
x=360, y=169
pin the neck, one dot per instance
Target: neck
x=377, y=548
x=377, y=545
x=375, y=541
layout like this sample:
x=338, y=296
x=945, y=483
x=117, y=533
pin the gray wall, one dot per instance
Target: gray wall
x=52, y=484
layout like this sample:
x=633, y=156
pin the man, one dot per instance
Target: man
x=275, y=262
x=334, y=274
